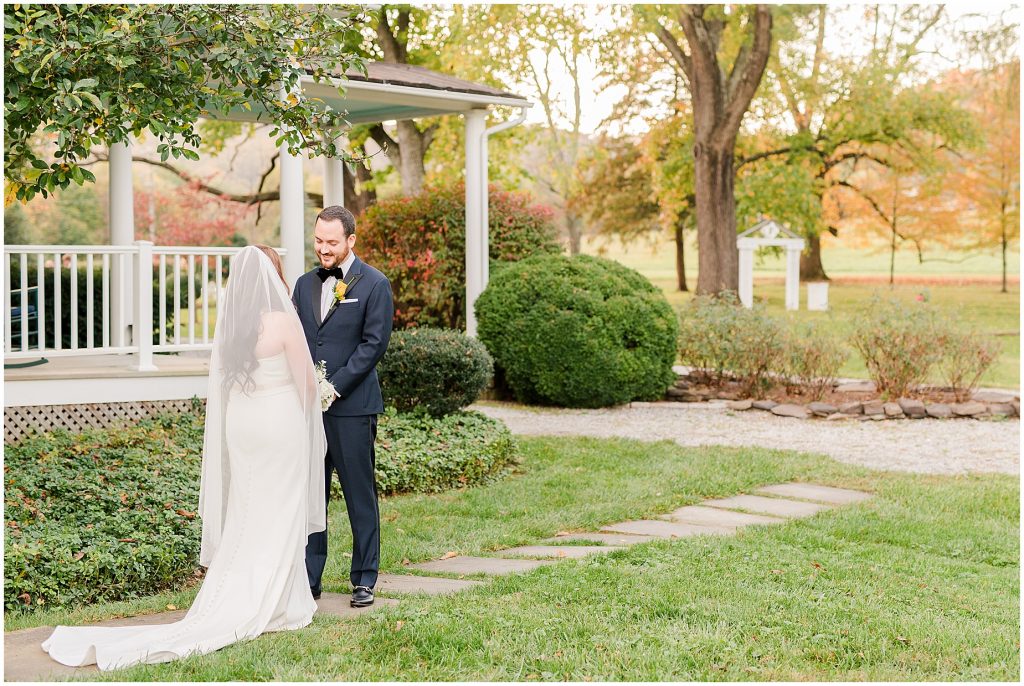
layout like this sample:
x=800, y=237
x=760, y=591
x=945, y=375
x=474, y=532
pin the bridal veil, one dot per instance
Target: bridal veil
x=254, y=307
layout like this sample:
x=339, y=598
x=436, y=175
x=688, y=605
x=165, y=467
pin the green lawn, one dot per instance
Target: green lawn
x=971, y=305
x=920, y=583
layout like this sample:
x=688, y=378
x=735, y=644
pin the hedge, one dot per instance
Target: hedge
x=110, y=514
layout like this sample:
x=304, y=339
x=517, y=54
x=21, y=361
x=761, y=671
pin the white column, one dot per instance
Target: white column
x=293, y=196
x=475, y=193
x=334, y=180
x=485, y=219
x=122, y=232
x=792, y=277
x=746, y=275
x=142, y=337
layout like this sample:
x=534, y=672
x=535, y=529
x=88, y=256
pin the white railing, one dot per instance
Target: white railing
x=120, y=284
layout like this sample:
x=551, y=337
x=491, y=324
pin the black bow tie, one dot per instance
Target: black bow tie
x=334, y=271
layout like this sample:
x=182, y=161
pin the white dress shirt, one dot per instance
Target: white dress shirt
x=327, y=293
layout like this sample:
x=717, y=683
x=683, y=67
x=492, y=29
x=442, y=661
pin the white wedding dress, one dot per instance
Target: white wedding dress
x=254, y=534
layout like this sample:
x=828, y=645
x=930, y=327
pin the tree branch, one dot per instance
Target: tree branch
x=682, y=60
x=750, y=78
x=388, y=144
x=243, y=198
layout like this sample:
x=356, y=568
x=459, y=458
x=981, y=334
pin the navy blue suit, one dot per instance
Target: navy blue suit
x=351, y=339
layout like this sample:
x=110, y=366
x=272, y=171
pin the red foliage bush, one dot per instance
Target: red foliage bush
x=419, y=242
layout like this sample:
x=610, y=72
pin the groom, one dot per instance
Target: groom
x=346, y=310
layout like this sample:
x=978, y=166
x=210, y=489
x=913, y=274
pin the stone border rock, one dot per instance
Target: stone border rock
x=983, y=405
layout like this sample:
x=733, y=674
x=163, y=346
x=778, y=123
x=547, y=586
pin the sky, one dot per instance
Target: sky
x=852, y=38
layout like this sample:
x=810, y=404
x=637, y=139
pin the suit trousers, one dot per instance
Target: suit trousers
x=350, y=451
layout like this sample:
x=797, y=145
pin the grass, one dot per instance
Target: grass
x=970, y=305
x=920, y=583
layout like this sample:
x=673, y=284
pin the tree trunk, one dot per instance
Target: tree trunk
x=1003, y=242
x=892, y=244
x=680, y=261
x=412, y=146
x=357, y=202
x=719, y=98
x=572, y=227
x=811, y=268
x=717, y=259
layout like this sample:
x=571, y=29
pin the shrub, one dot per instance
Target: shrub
x=812, y=358
x=429, y=454
x=111, y=514
x=965, y=357
x=437, y=371
x=722, y=338
x=420, y=243
x=577, y=332
x=899, y=343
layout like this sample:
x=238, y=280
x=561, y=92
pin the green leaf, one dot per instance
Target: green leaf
x=86, y=83
x=92, y=98
x=42, y=64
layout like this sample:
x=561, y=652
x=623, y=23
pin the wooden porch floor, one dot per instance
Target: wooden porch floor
x=109, y=367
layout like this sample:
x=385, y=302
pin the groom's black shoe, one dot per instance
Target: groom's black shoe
x=362, y=596
x=316, y=593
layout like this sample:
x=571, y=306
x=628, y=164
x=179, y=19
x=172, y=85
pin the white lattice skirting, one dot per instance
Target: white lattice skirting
x=20, y=422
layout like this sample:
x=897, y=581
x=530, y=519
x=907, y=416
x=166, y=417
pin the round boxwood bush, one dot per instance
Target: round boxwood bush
x=419, y=241
x=110, y=514
x=437, y=371
x=578, y=331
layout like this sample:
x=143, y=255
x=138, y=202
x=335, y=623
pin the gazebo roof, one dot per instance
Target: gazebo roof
x=769, y=229
x=398, y=91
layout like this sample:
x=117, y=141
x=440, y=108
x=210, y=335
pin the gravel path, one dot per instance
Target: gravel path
x=932, y=446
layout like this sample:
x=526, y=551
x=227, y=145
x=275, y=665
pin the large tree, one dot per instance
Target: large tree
x=85, y=75
x=542, y=41
x=825, y=113
x=722, y=54
x=404, y=35
x=990, y=178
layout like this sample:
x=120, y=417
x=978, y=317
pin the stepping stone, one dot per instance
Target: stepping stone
x=557, y=551
x=823, y=494
x=663, y=529
x=466, y=564
x=770, y=506
x=713, y=516
x=604, y=538
x=856, y=387
x=431, y=585
x=25, y=660
x=338, y=605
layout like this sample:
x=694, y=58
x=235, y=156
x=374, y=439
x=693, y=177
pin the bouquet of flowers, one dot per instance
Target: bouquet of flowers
x=326, y=388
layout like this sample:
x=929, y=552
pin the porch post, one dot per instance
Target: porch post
x=475, y=194
x=143, y=330
x=793, y=276
x=122, y=232
x=334, y=181
x=746, y=268
x=293, y=198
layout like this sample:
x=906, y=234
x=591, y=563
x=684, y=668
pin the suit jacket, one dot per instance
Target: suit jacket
x=352, y=338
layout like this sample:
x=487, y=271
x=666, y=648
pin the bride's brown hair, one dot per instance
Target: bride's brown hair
x=275, y=259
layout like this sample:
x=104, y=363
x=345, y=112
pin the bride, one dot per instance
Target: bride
x=262, y=485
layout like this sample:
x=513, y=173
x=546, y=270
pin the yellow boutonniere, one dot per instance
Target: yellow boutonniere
x=339, y=291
